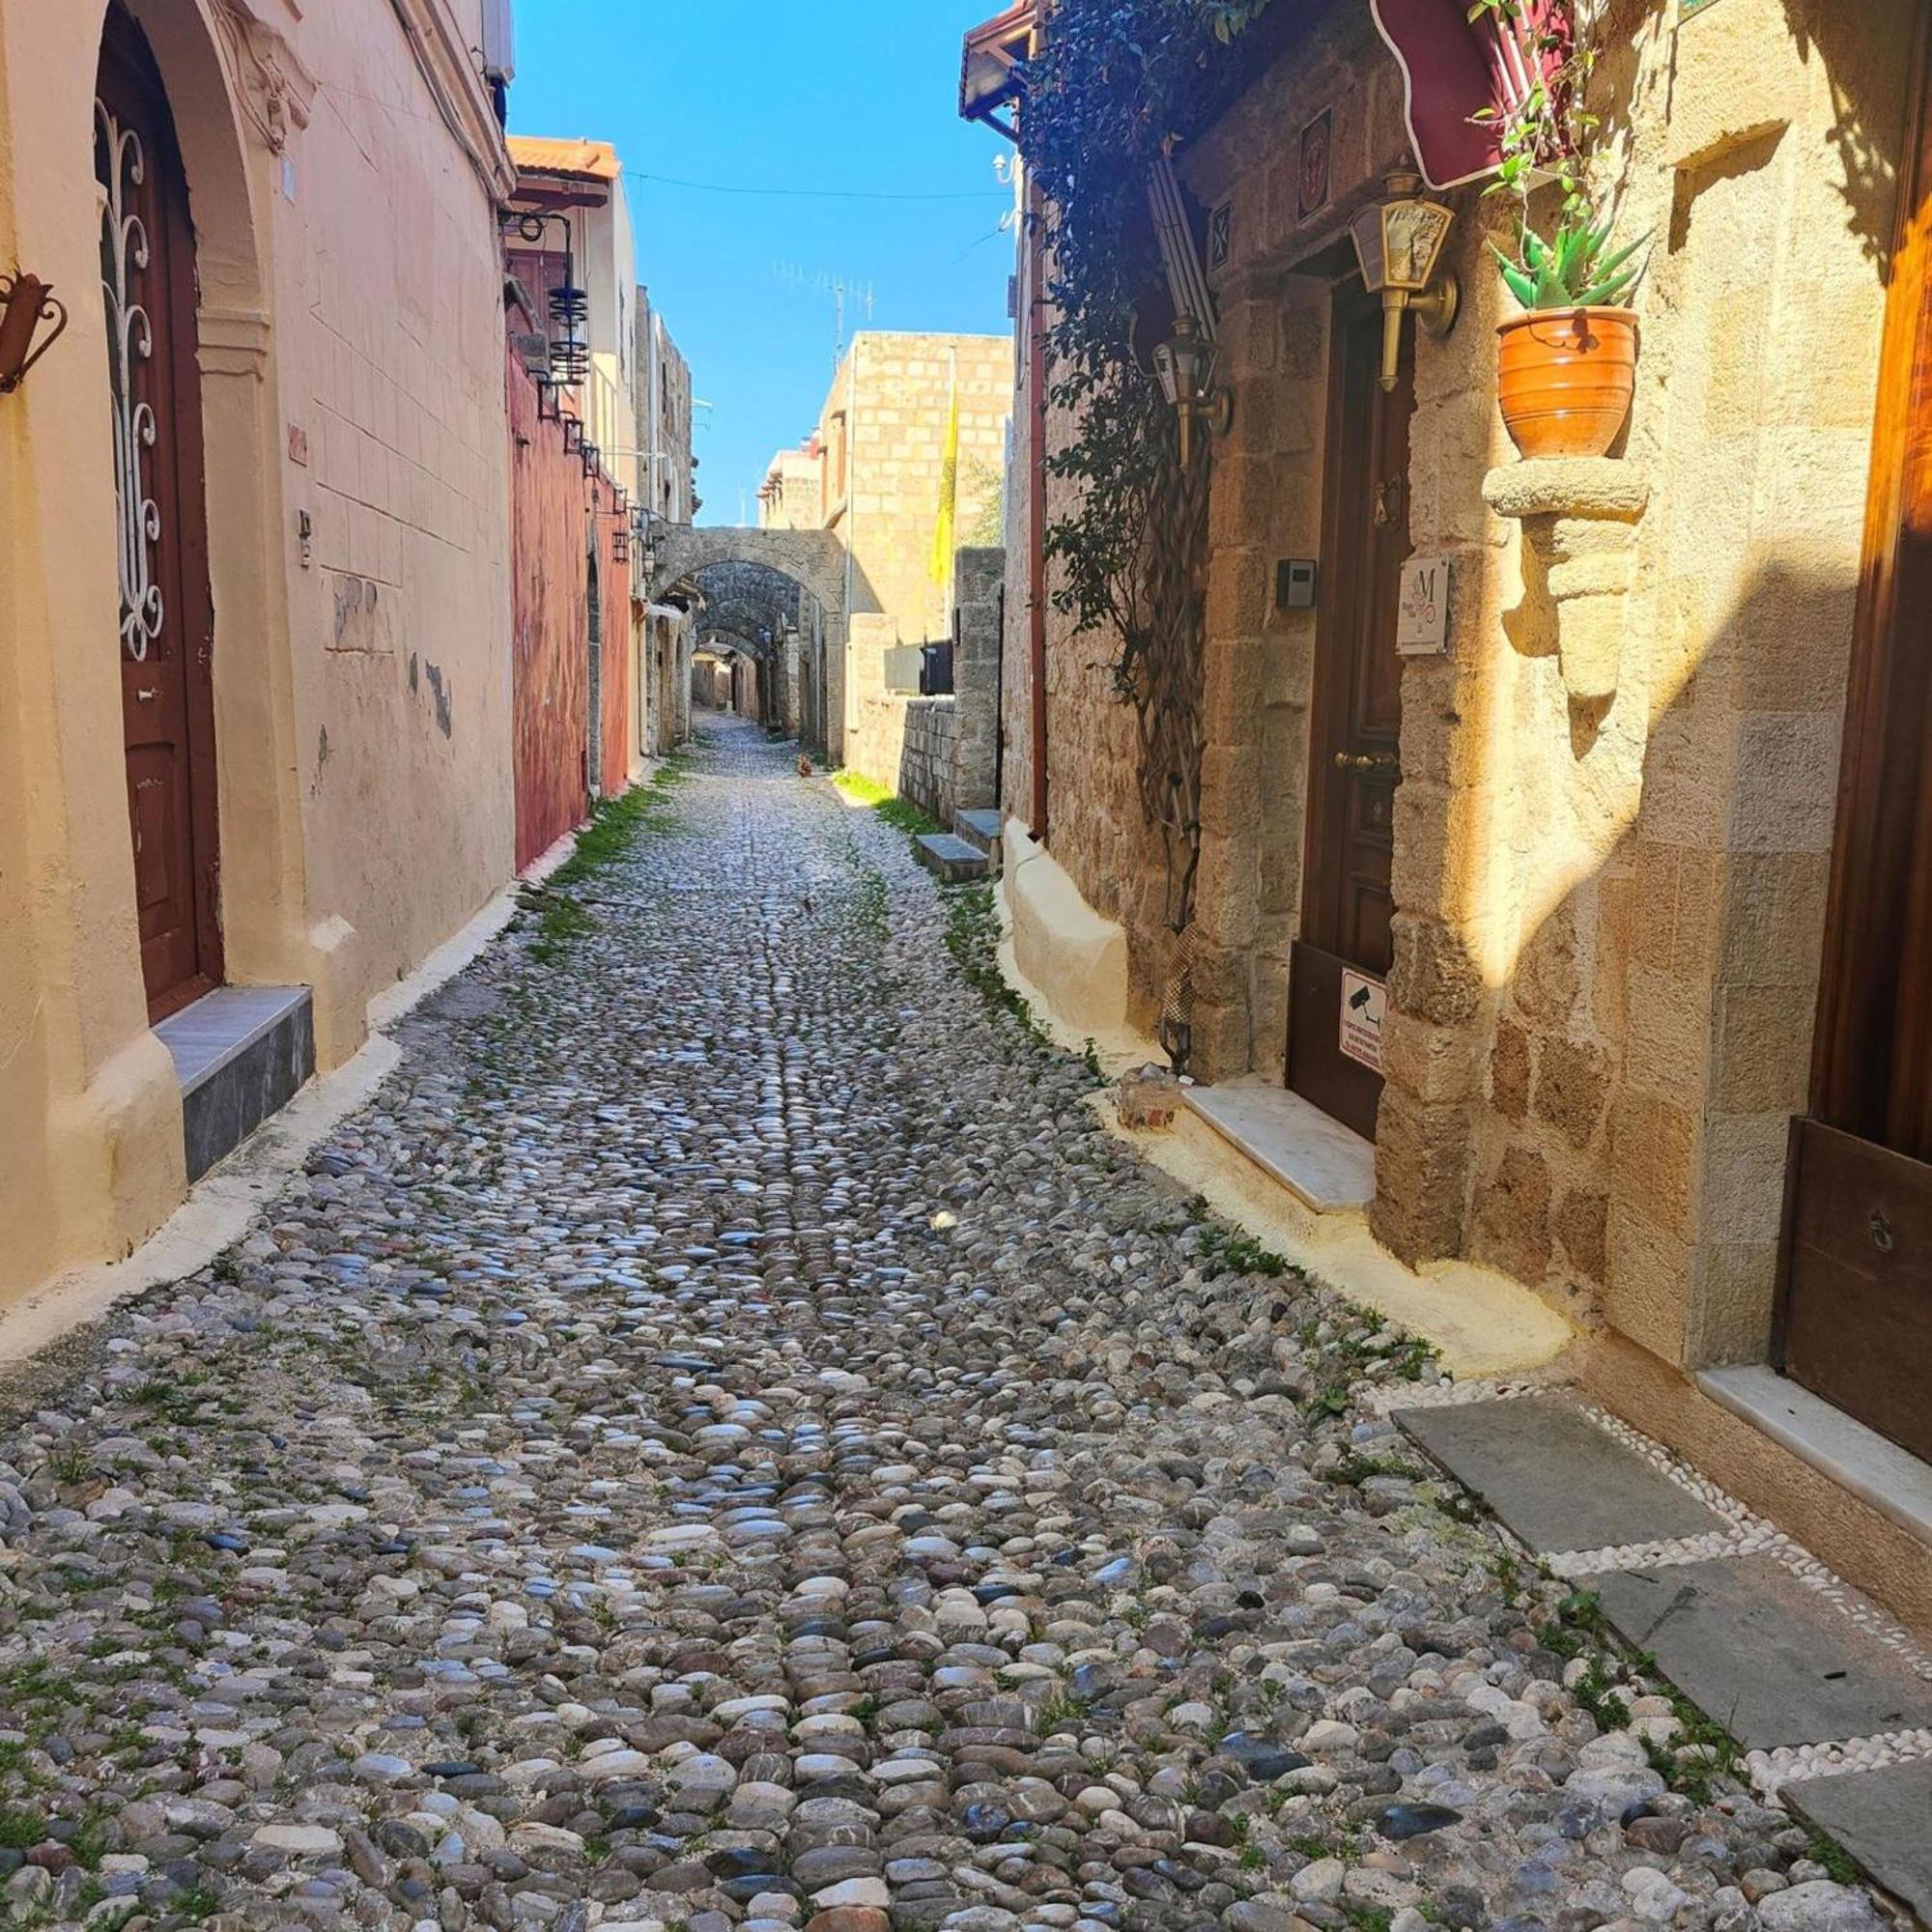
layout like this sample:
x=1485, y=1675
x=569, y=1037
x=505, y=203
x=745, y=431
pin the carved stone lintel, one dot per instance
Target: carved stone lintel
x=1580, y=516
x=272, y=87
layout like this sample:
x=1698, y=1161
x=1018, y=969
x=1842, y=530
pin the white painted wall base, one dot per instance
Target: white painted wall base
x=1064, y=960
x=1483, y=1323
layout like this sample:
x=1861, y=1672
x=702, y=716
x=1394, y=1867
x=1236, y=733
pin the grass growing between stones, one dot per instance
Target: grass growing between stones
x=898, y=813
x=615, y=825
x=973, y=939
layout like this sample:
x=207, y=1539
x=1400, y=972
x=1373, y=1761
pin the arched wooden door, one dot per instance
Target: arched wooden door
x=167, y=614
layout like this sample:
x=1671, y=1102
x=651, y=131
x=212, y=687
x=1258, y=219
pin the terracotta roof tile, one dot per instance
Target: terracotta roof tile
x=540, y=154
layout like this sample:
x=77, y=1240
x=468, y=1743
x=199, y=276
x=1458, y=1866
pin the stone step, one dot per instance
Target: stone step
x=950, y=859
x=980, y=827
x=242, y=1053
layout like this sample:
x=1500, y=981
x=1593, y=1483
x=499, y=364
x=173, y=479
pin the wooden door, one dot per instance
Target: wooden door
x=167, y=617
x=1855, y=1312
x=1342, y=957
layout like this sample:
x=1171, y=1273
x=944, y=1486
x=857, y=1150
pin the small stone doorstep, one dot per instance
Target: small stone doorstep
x=1770, y=1659
x=1884, y=1818
x=950, y=859
x=242, y=1054
x=1892, y=1480
x=1554, y=1477
x=1323, y=1163
x=980, y=827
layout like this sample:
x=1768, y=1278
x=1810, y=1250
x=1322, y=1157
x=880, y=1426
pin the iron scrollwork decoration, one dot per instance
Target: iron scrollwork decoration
x=25, y=302
x=119, y=167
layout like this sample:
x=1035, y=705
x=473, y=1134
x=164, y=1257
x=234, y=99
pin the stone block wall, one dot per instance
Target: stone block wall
x=940, y=752
x=895, y=389
x=1608, y=909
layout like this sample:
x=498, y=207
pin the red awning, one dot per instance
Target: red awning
x=1455, y=69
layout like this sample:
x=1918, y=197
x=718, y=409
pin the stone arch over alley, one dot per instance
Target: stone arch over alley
x=781, y=599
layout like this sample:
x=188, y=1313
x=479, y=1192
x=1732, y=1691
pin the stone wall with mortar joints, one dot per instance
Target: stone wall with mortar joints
x=898, y=391
x=940, y=751
x=1275, y=296
x=1607, y=924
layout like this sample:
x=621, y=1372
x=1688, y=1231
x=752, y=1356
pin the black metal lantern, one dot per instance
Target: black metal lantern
x=590, y=454
x=573, y=434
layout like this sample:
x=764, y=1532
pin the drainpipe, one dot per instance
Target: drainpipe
x=1037, y=496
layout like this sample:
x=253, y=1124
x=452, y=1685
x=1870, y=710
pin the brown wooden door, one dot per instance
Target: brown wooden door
x=1355, y=721
x=1856, y=1301
x=147, y=267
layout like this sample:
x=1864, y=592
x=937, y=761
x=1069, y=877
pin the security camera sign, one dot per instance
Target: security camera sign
x=1364, y=1004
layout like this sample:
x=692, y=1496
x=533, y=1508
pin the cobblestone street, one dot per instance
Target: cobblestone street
x=727, y=1437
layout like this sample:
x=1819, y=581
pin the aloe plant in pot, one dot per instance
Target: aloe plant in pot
x=1567, y=365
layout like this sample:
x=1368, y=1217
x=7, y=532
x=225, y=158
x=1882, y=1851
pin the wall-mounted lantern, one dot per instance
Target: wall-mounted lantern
x=548, y=409
x=25, y=302
x=1398, y=242
x=620, y=536
x=1184, y=363
x=590, y=454
x=573, y=434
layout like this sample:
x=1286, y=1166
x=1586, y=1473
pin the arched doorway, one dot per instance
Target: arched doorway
x=167, y=615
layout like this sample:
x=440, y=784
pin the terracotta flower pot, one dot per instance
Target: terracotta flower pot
x=1565, y=379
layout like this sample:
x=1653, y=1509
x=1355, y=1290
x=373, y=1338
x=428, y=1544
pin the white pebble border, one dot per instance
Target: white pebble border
x=1385, y=1398
x=1791, y=1764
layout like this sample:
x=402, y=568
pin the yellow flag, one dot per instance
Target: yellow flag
x=941, y=564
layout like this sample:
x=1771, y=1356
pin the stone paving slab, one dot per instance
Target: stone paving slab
x=1884, y=1818
x=1770, y=1659
x=950, y=857
x=1559, y=1480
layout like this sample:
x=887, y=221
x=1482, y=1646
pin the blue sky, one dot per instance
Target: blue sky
x=856, y=96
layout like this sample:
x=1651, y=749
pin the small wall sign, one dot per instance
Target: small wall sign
x=1422, y=612
x=1364, y=1006
x=1220, y=238
x=1317, y=145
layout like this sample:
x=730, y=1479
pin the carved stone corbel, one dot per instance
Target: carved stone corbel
x=272, y=85
x=1580, y=516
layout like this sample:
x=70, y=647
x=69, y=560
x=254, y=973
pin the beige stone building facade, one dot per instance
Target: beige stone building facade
x=253, y=577
x=871, y=474
x=1588, y=858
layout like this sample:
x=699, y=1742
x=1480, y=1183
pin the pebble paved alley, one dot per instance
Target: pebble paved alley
x=725, y=1438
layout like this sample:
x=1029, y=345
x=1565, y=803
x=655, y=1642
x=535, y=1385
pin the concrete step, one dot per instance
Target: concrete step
x=950, y=859
x=242, y=1054
x=981, y=828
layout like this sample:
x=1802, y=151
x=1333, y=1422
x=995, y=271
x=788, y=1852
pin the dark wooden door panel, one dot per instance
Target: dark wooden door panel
x=166, y=621
x=1356, y=716
x=1860, y=1332
x=1855, y=1287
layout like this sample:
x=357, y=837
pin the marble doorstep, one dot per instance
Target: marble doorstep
x=1892, y=1480
x=242, y=1054
x=1318, y=1160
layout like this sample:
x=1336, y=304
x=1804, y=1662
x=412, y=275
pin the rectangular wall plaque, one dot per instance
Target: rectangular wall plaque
x=1422, y=615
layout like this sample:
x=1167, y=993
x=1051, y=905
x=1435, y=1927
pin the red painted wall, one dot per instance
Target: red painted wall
x=551, y=499
x=550, y=612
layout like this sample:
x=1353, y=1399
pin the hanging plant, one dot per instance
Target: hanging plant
x=1117, y=81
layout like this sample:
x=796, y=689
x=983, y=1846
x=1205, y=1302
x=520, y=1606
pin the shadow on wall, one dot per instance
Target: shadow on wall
x=1650, y=1020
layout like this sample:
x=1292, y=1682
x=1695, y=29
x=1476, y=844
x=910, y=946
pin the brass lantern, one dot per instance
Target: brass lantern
x=1398, y=242
x=1184, y=363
